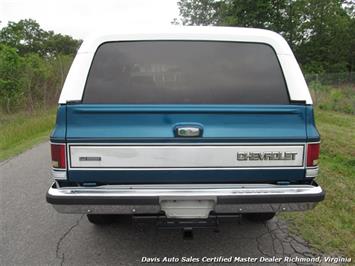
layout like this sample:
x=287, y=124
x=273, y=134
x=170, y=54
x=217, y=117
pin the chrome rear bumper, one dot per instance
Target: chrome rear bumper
x=147, y=199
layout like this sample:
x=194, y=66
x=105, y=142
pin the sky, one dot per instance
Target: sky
x=80, y=17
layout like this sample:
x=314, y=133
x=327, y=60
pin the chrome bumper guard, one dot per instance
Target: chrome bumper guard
x=148, y=199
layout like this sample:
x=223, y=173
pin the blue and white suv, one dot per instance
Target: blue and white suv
x=185, y=122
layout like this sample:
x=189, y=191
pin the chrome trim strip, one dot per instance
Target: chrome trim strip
x=305, y=155
x=186, y=190
x=185, y=168
x=186, y=143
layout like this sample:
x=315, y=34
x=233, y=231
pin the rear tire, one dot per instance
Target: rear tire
x=101, y=219
x=260, y=217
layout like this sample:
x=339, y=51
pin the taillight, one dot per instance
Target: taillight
x=58, y=156
x=312, y=154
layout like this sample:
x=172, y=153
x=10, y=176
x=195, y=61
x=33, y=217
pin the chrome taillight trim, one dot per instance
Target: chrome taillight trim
x=312, y=172
x=59, y=174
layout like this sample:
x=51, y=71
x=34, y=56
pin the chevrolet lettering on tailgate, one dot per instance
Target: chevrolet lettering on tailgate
x=184, y=124
x=244, y=156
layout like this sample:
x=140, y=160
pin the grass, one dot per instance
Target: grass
x=330, y=227
x=21, y=131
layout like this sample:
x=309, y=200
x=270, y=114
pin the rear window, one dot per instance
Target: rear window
x=185, y=72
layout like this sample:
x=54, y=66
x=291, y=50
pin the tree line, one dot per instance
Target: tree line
x=320, y=32
x=33, y=65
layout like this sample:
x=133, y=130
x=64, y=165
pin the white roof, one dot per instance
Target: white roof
x=190, y=33
x=75, y=82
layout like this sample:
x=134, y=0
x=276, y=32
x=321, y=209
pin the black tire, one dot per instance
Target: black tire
x=260, y=217
x=101, y=219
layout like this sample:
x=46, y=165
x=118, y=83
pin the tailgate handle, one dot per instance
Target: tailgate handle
x=188, y=130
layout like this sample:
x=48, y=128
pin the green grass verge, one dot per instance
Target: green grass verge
x=21, y=131
x=330, y=227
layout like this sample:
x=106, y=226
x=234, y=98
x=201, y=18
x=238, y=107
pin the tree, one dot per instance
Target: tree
x=34, y=78
x=200, y=12
x=28, y=37
x=329, y=39
x=33, y=64
x=321, y=33
x=10, y=84
x=243, y=13
x=280, y=16
x=56, y=44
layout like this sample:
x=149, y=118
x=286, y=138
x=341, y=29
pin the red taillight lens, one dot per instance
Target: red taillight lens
x=58, y=156
x=312, y=154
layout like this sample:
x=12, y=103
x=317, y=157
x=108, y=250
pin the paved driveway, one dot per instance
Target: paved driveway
x=32, y=233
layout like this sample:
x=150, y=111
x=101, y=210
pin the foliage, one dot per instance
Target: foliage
x=321, y=33
x=340, y=99
x=28, y=37
x=10, y=69
x=204, y=12
x=56, y=44
x=33, y=65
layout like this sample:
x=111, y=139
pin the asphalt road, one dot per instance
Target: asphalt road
x=32, y=233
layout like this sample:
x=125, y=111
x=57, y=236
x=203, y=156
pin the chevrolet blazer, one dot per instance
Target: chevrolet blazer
x=184, y=123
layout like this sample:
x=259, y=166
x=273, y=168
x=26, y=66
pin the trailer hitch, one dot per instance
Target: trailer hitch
x=187, y=225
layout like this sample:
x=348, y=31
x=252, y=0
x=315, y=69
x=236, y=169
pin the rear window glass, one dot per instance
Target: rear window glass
x=185, y=72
